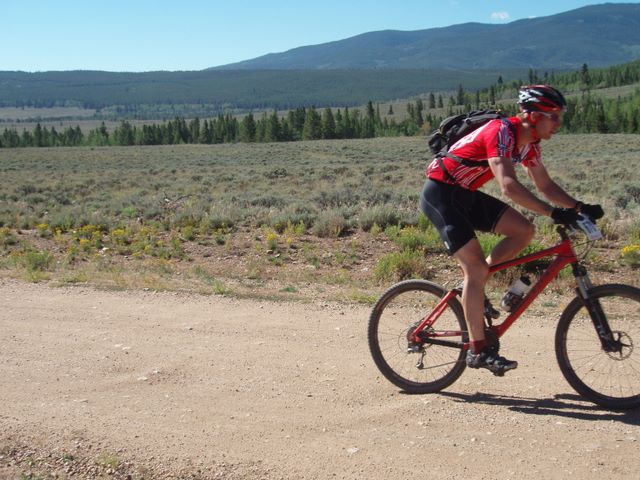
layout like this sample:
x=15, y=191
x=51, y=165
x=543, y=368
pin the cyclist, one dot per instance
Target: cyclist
x=451, y=200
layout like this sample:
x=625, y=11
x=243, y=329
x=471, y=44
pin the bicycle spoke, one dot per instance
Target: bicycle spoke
x=611, y=378
x=402, y=308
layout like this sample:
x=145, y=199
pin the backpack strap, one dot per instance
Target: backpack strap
x=450, y=177
x=466, y=162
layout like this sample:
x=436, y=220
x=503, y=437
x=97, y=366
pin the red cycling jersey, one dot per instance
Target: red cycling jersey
x=494, y=139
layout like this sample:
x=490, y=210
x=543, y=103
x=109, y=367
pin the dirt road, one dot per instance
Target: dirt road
x=98, y=384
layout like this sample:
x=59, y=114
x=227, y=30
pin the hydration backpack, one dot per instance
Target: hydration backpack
x=453, y=128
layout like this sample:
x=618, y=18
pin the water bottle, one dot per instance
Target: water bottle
x=516, y=292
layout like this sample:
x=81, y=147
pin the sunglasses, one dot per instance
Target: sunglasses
x=554, y=116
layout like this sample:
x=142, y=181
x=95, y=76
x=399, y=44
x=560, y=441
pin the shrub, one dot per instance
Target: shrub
x=63, y=221
x=402, y=265
x=188, y=233
x=375, y=230
x=413, y=239
x=634, y=232
x=269, y=201
x=329, y=224
x=392, y=231
x=168, y=249
x=44, y=231
x=225, y=216
x=424, y=223
x=7, y=237
x=295, y=230
x=282, y=221
x=121, y=241
x=382, y=216
x=272, y=241
x=219, y=237
x=631, y=255
x=129, y=212
x=34, y=260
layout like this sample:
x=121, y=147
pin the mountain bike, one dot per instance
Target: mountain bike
x=418, y=336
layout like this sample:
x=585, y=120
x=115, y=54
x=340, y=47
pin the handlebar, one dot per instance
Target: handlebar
x=585, y=224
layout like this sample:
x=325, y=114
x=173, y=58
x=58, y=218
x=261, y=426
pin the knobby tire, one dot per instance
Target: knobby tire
x=609, y=379
x=397, y=310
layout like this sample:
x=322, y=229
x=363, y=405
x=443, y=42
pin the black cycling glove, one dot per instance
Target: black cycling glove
x=564, y=216
x=593, y=211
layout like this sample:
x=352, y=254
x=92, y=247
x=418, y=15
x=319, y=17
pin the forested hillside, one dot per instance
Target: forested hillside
x=601, y=100
x=161, y=94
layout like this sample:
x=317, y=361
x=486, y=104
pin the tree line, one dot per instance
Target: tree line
x=298, y=124
x=587, y=113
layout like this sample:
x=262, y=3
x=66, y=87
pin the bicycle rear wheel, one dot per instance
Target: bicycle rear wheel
x=610, y=379
x=427, y=368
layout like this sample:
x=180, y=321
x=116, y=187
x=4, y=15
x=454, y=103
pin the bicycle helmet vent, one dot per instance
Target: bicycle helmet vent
x=541, y=98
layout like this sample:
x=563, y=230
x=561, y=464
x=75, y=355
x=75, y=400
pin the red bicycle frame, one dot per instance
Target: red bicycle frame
x=565, y=255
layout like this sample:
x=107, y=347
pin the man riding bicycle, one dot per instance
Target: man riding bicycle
x=451, y=200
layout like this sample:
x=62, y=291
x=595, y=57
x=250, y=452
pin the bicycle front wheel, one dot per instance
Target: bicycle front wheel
x=610, y=379
x=424, y=368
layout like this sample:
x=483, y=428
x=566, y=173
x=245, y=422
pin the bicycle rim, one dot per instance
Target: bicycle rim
x=610, y=379
x=433, y=367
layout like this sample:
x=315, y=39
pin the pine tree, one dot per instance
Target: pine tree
x=460, y=96
x=419, y=110
x=124, y=134
x=312, y=129
x=339, y=121
x=194, y=130
x=411, y=112
x=272, y=130
x=585, y=78
x=369, y=127
x=38, y=138
x=248, y=129
x=328, y=124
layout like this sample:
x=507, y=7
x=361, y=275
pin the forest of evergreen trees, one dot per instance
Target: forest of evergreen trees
x=589, y=112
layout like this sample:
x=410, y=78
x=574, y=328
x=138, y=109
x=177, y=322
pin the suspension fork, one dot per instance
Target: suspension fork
x=598, y=317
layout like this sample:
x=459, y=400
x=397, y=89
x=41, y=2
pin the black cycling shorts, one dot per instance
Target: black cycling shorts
x=457, y=212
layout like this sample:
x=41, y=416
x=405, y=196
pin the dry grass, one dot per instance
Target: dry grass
x=239, y=218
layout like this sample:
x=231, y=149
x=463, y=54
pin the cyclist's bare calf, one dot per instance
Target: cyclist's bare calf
x=476, y=273
x=518, y=232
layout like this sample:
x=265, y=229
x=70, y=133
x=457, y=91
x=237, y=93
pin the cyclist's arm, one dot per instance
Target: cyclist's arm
x=505, y=175
x=550, y=189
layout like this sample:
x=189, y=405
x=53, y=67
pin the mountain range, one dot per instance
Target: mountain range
x=377, y=66
x=599, y=35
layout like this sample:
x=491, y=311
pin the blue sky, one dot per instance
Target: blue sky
x=147, y=35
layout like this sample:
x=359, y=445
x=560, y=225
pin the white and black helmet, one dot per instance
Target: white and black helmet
x=541, y=98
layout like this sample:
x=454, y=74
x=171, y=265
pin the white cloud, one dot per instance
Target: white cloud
x=500, y=16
